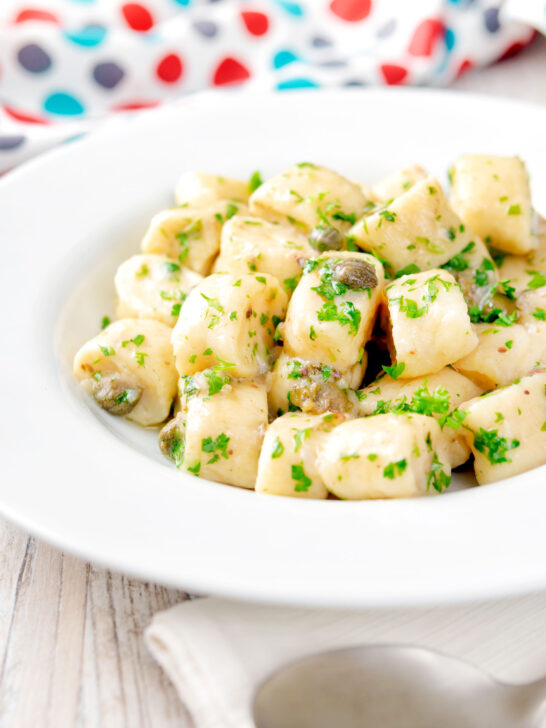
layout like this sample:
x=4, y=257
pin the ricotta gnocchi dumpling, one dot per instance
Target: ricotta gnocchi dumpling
x=417, y=230
x=219, y=436
x=189, y=235
x=249, y=245
x=435, y=395
x=312, y=387
x=333, y=309
x=398, y=182
x=307, y=195
x=506, y=429
x=153, y=286
x=229, y=319
x=492, y=196
x=503, y=354
x=197, y=189
x=387, y=456
x=288, y=460
x=428, y=323
x=129, y=370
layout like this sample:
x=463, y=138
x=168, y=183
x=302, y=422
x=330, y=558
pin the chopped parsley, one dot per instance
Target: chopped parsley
x=392, y=470
x=454, y=419
x=192, y=231
x=195, y=469
x=278, y=449
x=493, y=445
x=300, y=436
x=255, y=181
x=514, y=210
x=395, y=370
x=345, y=315
x=105, y=321
x=290, y=284
x=217, y=448
x=140, y=357
x=107, y=350
x=303, y=483
x=137, y=341
x=437, y=477
x=537, y=281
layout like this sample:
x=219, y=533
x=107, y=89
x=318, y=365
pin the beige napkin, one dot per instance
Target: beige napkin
x=217, y=652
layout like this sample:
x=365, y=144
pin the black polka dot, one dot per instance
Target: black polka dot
x=320, y=42
x=10, y=141
x=206, y=28
x=387, y=29
x=108, y=75
x=491, y=19
x=33, y=58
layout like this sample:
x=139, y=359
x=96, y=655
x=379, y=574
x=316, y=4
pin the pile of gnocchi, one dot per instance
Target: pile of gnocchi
x=311, y=336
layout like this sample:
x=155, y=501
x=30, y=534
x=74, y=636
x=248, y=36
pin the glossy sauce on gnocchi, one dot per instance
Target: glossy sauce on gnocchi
x=313, y=336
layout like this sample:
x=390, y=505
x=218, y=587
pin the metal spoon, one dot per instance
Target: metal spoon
x=394, y=687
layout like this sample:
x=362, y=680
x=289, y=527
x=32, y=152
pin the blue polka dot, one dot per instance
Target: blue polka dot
x=184, y=3
x=291, y=8
x=449, y=39
x=63, y=104
x=293, y=83
x=89, y=36
x=283, y=58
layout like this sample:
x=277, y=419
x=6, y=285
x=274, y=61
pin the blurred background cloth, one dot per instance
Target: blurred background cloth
x=67, y=65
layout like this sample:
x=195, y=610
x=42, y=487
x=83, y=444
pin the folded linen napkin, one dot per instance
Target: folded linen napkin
x=217, y=652
x=67, y=66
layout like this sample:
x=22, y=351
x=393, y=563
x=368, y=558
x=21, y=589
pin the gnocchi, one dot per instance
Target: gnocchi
x=313, y=337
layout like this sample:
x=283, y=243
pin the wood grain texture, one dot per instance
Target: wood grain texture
x=71, y=648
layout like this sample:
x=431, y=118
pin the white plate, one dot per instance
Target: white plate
x=98, y=487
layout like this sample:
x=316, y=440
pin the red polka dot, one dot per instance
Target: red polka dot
x=393, y=74
x=230, y=70
x=256, y=23
x=135, y=105
x=137, y=17
x=351, y=10
x=465, y=66
x=23, y=116
x=514, y=49
x=170, y=68
x=426, y=35
x=35, y=14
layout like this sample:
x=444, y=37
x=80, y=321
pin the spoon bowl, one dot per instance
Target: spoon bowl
x=393, y=687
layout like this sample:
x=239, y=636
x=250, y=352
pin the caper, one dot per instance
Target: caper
x=171, y=440
x=326, y=238
x=115, y=395
x=318, y=397
x=355, y=273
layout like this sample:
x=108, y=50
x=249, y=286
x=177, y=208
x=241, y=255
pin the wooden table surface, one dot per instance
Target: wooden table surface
x=71, y=645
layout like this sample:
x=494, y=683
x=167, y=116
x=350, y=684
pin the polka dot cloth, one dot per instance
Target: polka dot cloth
x=66, y=64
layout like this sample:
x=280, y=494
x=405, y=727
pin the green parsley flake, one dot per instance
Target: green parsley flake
x=107, y=350
x=278, y=449
x=218, y=447
x=392, y=470
x=255, y=181
x=514, y=210
x=300, y=436
x=395, y=370
x=105, y=321
x=437, y=477
x=495, y=447
x=303, y=483
x=345, y=315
